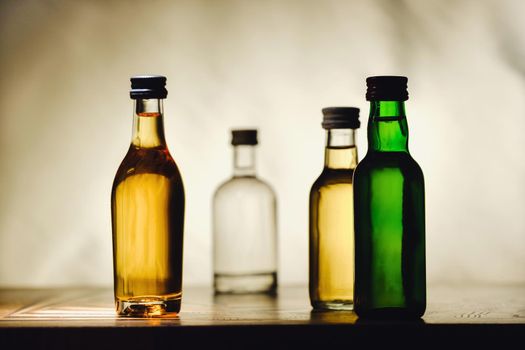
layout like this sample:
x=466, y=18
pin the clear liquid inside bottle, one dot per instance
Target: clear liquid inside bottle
x=244, y=230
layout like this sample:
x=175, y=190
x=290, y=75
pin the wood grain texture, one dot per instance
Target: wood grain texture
x=87, y=307
x=83, y=317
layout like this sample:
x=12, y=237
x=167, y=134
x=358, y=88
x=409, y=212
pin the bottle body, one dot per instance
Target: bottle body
x=331, y=229
x=389, y=237
x=244, y=231
x=332, y=241
x=389, y=207
x=245, y=240
x=147, y=205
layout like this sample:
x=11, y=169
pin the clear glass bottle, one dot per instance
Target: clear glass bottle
x=147, y=205
x=389, y=207
x=331, y=280
x=244, y=226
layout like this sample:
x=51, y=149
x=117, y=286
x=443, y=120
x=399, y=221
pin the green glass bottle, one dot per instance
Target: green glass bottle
x=389, y=211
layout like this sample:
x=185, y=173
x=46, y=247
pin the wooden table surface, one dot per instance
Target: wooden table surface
x=84, y=317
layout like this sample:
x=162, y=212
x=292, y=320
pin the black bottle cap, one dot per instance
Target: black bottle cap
x=244, y=137
x=341, y=118
x=148, y=86
x=386, y=88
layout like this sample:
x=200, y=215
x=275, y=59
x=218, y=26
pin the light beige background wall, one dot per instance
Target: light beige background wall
x=66, y=120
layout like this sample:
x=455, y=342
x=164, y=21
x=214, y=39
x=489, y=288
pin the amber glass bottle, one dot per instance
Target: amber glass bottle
x=147, y=203
x=389, y=206
x=331, y=214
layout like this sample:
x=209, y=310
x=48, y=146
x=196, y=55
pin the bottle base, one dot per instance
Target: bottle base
x=149, y=306
x=343, y=305
x=245, y=283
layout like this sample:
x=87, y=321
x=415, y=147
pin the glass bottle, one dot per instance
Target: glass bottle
x=331, y=282
x=244, y=226
x=147, y=203
x=389, y=207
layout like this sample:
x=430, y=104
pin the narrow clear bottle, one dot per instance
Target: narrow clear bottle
x=389, y=207
x=147, y=203
x=244, y=225
x=331, y=282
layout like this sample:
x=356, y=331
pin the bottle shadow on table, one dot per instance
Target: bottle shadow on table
x=350, y=317
x=333, y=317
x=257, y=301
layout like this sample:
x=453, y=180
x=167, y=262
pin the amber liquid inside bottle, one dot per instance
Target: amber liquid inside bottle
x=148, y=219
x=331, y=226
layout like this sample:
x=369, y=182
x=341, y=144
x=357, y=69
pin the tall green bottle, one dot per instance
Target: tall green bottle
x=389, y=211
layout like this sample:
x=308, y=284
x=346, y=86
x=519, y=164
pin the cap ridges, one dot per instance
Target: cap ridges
x=244, y=137
x=386, y=88
x=340, y=118
x=148, y=86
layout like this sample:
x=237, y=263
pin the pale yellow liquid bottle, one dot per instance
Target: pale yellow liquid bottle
x=147, y=204
x=331, y=219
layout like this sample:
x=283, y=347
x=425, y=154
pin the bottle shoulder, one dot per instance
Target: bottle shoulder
x=387, y=159
x=244, y=185
x=148, y=161
x=378, y=161
x=330, y=177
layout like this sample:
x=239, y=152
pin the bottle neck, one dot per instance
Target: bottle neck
x=244, y=161
x=387, y=127
x=340, y=151
x=148, y=124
